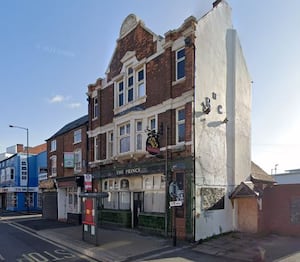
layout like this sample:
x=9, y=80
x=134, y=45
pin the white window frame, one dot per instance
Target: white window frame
x=53, y=145
x=110, y=144
x=179, y=60
x=139, y=83
x=121, y=93
x=136, y=85
x=78, y=160
x=124, y=137
x=150, y=121
x=24, y=171
x=53, y=164
x=95, y=107
x=139, y=135
x=130, y=74
x=178, y=123
x=77, y=136
x=96, y=148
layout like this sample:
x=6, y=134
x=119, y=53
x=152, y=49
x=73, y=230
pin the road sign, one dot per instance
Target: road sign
x=175, y=203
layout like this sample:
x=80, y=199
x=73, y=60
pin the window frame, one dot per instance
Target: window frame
x=53, y=168
x=180, y=122
x=77, y=136
x=77, y=160
x=125, y=136
x=139, y=135
x=53, y=145
x=110, y=144
x=96, y=111
x=179, y=61
x=96, y=148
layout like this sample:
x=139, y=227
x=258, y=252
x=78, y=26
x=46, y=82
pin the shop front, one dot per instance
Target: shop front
x=68, y=208
x=139, y=196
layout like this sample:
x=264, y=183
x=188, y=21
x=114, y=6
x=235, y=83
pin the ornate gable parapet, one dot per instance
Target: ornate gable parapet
x=130, y=22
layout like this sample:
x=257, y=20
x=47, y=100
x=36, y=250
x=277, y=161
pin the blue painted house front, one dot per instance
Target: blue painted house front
x=18, y=187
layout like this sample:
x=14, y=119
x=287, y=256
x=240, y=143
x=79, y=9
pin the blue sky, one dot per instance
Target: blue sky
x=51, y=50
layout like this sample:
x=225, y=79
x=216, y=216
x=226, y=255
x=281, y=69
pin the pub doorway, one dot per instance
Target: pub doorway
x=138, y=200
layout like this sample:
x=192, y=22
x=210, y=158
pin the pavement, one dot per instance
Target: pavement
x=123, y=245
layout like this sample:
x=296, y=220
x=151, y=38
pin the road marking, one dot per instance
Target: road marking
x=60, y=245
x=2, y=258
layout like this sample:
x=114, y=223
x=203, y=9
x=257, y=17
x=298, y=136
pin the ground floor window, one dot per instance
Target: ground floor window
x=29, y=199
x=154, y=201
x=117, y=200
x=11, y=200
x=40, y=200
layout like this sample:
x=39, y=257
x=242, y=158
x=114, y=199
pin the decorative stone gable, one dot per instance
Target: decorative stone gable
x=130, y=22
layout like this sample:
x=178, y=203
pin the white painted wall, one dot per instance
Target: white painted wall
x=62, y=204
x=222, y=149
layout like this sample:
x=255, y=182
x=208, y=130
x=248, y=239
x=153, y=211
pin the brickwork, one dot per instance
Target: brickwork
x=281, y=210
x=65, y=143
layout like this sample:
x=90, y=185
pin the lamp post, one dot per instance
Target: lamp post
x=27, y=160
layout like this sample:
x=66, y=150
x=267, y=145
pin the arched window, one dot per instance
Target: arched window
x=124, y=184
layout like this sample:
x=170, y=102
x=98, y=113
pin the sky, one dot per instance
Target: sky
x=51, y=50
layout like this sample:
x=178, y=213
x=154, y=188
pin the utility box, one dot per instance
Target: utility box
x=90, y=203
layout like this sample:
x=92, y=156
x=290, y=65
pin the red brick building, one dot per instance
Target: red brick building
x=172, y=110
x=67, y=164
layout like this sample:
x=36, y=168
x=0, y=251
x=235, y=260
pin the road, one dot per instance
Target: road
x=21, y=245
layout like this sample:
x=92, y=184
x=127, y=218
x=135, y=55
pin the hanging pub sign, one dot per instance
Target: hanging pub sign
x=152, y=143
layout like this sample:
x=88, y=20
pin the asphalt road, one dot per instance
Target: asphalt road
x=18, y=244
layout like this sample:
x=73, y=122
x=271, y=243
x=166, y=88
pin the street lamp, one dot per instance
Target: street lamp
x=27, y=160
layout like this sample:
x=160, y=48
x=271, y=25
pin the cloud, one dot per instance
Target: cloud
x=55, y=50
x=57, y=99
x=60, y=99
x=74, y=105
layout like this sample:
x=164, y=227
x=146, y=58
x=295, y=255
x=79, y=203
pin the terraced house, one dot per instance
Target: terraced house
x=169, y=127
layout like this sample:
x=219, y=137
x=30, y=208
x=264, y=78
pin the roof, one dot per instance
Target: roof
x=259, y=175
x=245, y=189
x=70, y=126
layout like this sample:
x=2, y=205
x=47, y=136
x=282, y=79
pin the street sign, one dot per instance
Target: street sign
x=175, y=203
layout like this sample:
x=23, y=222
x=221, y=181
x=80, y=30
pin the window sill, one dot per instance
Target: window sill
x=179, y=81
x=139, y=101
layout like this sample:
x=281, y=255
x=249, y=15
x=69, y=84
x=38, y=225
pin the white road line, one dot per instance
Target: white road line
x=2, y=258
x=60, y=245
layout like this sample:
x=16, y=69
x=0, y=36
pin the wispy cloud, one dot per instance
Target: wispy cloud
x=65, y=101
x=54, y=50
x=57, y=99
x=74, y=105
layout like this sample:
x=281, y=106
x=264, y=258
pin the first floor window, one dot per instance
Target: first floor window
x=53, y=166
x=180, y=125
x=77, y=160
x=110, y=144
x=124, y=133
x=96, y=148
x=152, y=123
x=139, y=135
